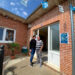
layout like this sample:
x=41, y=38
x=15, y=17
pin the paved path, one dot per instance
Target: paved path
x=23, y=68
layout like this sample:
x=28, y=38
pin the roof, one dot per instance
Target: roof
x=38, y=11
x=22, y=8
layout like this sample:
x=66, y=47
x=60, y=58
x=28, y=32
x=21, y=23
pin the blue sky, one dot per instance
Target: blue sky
x=22, y=8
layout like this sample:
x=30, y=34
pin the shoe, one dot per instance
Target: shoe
x=31, y=64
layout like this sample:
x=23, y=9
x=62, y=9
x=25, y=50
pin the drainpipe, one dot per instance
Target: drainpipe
x=73, y=42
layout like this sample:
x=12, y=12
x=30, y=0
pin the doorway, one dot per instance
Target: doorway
x=50, y=37
x=43, y=33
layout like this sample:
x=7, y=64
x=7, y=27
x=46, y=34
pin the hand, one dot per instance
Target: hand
x=39, y=51
x=30, y=50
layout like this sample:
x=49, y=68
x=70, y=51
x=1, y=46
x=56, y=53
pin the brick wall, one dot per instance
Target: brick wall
x=21, y=30
x=65, y=26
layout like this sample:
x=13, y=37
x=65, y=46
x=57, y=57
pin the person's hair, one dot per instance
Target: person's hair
x=33, y=36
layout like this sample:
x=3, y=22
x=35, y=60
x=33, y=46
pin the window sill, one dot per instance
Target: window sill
x=6, y=41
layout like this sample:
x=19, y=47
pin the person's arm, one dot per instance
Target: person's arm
x=30, y=46
x=41, y=47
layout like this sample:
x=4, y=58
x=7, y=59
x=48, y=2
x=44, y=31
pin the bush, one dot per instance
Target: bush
x=13, y=47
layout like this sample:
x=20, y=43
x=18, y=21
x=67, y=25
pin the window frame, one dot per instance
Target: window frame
x=4, y=35
x=51, y=43
x=2, y=32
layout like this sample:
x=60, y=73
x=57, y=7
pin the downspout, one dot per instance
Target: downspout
x=73, y=43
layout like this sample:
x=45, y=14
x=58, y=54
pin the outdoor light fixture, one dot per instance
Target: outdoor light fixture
x=45, y=4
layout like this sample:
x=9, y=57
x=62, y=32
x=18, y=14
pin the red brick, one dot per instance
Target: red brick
x=65, y=49
x=21, y=30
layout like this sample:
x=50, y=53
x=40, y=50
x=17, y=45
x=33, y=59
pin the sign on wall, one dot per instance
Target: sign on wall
x=72, y=8
x=61, y=9
x=64, y=38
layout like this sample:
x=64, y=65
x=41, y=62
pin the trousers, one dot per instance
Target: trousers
x=32, y=55
x=39, y=57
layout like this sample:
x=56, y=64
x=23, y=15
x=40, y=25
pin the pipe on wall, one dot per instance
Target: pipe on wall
x=73, y=42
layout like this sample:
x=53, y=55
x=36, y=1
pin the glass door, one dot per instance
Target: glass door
x=53, y=44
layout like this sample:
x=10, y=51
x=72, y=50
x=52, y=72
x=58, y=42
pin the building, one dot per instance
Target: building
x=17, y=29
x=54, y=28
x=53, y=25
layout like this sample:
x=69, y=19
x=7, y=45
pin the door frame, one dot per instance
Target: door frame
x=58, y=52
x=50, y=51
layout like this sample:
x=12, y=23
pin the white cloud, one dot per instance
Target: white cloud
x=24, y=2
x=14, y=9
x=12, y=3
x=25, y=13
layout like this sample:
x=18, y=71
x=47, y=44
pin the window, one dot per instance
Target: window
x=54, y=37
x=1, y=33
x=7, y=35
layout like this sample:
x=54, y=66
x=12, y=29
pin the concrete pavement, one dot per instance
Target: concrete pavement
x=23, y=68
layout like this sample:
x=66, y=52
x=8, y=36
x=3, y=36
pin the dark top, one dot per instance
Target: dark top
x=33, y=44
